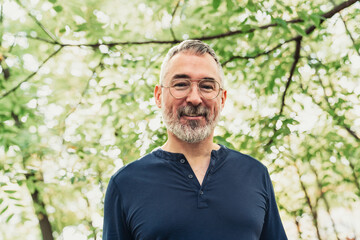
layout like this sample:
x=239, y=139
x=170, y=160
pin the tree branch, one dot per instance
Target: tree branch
x=259, y=54
x=347, y=128
x=41, y=39
x=298, y=39
x=326, y=15
x=172, y=20
x=338, y=8
x=1, y=22
x=323, y=197
x=356, y=178
x=31, y=75
x=39, y=23
x=335, y=116
x=308, y=201
x=347, y=30
x=40, y=208
x=308, y=31
x=326, y=97
x=350, y=35
x=73, y=109
x=292, y=70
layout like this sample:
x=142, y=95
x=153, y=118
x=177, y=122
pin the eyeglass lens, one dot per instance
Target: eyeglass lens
x=180, y=88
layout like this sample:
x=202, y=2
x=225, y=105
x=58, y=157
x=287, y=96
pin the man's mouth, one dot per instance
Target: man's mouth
x=193, y=113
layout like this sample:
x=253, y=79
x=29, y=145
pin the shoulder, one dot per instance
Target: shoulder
x=136, y=166
x=237, y=157
x=145, y=167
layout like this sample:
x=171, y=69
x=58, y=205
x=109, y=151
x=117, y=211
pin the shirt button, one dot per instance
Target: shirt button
x=201, y=192
x=182, y=160
x=190, y=176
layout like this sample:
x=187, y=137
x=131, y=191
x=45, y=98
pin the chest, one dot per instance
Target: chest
x=180, y=208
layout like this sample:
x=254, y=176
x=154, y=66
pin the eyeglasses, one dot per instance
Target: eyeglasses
x=180, y=87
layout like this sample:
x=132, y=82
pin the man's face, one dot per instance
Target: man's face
x=192, y=118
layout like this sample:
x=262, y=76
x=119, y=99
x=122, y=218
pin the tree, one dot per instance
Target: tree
x=76, y=104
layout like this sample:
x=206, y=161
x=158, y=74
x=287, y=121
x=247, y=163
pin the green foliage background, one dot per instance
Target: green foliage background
x=76, y=103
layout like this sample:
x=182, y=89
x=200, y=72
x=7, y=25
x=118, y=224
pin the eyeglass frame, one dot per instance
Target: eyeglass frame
x=197, y=80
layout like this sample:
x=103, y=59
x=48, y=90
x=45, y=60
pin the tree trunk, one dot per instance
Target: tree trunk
x=45, y=226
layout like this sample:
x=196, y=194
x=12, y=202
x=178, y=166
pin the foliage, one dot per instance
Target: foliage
x=76, y=104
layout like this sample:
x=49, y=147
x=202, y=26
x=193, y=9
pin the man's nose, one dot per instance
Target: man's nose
x=194, y=96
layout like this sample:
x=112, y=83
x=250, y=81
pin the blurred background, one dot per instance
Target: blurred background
x=76, y=104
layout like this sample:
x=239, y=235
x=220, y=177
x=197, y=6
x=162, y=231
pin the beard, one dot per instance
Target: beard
x=192, y=131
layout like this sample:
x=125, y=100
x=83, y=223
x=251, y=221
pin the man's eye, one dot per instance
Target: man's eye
x=207, y=86
x=180, y=84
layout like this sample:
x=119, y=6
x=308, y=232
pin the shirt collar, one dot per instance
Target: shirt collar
x=217, y=155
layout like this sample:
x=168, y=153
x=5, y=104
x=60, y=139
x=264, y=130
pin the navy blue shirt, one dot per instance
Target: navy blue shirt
x=159, y=197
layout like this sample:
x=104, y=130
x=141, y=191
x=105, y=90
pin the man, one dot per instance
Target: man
x=191, y=188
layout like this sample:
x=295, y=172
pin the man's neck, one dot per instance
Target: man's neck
x=198, y=154
x=193, y=151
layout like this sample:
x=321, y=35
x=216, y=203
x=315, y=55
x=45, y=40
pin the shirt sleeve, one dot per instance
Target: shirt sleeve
x=115, y=227
x=272, y=228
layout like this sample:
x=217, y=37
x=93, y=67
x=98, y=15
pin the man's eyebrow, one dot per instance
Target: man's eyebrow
x=208, y=78
x=177, y=76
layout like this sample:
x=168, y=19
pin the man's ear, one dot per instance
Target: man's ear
x=223, y=98
x=157, y=95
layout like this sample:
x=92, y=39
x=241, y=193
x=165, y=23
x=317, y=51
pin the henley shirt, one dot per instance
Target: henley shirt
x=158, y=197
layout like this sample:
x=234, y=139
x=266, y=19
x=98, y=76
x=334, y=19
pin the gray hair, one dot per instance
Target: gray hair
x=195, y=47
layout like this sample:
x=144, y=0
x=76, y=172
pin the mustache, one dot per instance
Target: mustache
x=190, y=110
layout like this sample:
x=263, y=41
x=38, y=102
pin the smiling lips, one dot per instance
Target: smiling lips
x=193, y=117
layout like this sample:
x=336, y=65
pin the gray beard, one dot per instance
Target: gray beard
x=192, y=132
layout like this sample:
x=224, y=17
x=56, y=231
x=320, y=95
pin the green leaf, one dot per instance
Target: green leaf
x=316, y=19
x=81, y=27
x=240, y=10
x=10, y=191
x=31, y=186
x=197, y=10
x=52, y=1
x=357, y=46
x=58, y=8
x=251, y=35
x=281, y=23
x=229, y=5
x=17, y=109
x=253, y=18
x=303, y=15
x=299, y=30
x=2, y=211
x=325, y=184
x=14, y=198
x=246, y=27
x=9, y=218
x=251, y=6
x=216, y=4
x=91, y=235
x=289, y=9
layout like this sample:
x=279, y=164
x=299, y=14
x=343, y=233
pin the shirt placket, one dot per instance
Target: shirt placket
x=200, y=189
